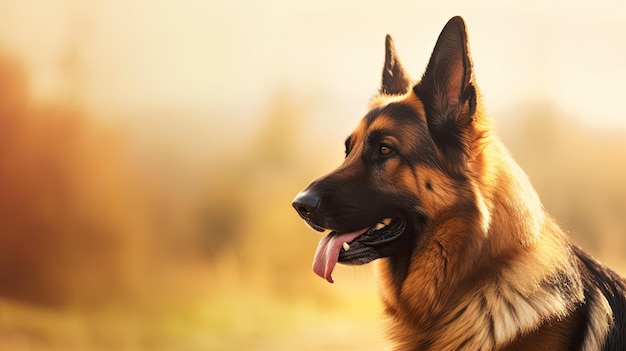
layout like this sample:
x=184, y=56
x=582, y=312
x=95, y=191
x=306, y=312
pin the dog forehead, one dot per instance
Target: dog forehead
x=395, y=116
x=399, y=115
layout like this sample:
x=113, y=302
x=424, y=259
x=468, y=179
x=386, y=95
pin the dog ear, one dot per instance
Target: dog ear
x=395, y=80
x=448, y=93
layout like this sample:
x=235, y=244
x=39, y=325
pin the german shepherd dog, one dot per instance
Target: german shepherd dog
x=469, y=259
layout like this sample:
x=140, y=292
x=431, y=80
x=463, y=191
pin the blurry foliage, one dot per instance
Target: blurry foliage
x=69, y=218
x=247, y=212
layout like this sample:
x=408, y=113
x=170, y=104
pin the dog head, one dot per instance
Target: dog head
x=408, y=162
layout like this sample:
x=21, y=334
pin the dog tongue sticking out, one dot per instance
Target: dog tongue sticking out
x=327, y=252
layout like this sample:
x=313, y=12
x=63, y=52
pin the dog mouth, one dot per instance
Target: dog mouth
x=358, y=247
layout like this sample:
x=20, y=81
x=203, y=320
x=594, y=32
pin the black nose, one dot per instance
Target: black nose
x=305, y=203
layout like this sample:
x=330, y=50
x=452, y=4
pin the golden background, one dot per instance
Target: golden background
x=149, y=152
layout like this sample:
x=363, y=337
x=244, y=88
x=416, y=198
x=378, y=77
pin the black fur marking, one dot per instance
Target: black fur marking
x=400, y=267
x=371, y=116
x=348, y=144
x=395, y=79
x=578, y=334
x=446, y=92
x=401, y=261
x=613, y=287
x=403, y=113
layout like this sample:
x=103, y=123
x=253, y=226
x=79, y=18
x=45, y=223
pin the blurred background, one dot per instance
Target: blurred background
x=149, y=152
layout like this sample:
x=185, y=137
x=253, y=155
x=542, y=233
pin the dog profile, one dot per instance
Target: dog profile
x=468, y=258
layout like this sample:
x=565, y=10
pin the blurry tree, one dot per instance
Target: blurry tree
x=247, y=212
x=234, y=193
x=71, y=228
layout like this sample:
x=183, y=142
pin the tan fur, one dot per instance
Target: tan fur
x=382, y=100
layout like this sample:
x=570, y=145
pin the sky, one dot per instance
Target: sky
x=217, y=65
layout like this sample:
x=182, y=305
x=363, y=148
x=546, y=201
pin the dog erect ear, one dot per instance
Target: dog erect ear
x=395, y=79
x=448, y=93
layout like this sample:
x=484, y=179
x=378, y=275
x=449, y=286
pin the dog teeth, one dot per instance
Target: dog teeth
x=382, y=224
x=345, y=245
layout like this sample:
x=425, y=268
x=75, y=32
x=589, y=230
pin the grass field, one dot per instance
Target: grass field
x=197, y=319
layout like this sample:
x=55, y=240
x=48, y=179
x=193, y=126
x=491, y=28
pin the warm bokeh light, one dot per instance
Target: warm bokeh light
x=149, y=152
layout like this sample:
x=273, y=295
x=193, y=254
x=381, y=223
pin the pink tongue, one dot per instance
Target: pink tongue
x=327, y=253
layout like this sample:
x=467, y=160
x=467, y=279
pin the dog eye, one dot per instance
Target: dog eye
x=385, y=150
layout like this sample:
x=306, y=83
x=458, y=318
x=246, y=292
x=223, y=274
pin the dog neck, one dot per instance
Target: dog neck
x=459, y=299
